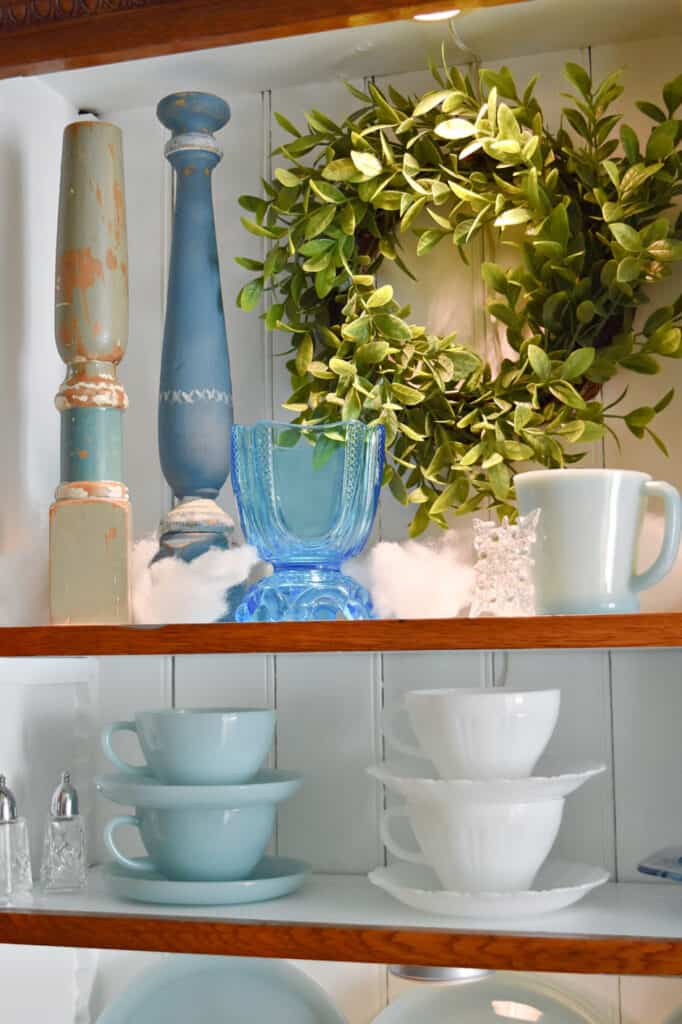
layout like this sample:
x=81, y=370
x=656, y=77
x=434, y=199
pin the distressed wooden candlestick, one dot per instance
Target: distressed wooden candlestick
x=195, y=398
x=90, y=519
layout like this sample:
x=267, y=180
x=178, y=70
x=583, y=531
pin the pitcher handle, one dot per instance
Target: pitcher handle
x=396, y=848
x=672, y=514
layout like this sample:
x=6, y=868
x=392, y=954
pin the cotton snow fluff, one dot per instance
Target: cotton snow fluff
x=24, y=586
x=418, y=579
x=175, y=591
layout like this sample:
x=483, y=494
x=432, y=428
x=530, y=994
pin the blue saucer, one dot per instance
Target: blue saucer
x=222, y=988
x=271, y=878
x=144, y=791
x=663, y=864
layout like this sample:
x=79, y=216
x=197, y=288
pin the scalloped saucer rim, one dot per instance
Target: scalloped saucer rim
x=400, y=776
x=418, y=887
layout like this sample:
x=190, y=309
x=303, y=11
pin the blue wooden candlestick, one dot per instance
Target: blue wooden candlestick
x=195, y=399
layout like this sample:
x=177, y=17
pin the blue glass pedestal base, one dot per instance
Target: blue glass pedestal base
x=305, y=595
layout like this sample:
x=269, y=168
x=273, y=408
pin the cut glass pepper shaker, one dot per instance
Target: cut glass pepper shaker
x=64, y=863
x=15, y=858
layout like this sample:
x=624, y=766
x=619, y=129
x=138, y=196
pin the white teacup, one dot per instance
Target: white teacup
x=478, y=847
x=478, y=734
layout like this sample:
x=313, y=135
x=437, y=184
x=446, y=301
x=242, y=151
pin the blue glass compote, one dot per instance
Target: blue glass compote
x=307, y=499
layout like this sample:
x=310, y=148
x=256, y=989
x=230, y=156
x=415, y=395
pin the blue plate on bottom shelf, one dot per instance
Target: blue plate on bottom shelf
x=271, y=878
x=218, y=990
x=663, y=864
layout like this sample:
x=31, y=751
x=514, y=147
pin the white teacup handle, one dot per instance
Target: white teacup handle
x=396, y=848
x=140, y=865
x=672, y=514
x=107, y=747
x=387, y=719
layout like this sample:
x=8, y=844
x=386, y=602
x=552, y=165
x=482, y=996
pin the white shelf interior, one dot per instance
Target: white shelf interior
x=630, y=909
x=623, y=709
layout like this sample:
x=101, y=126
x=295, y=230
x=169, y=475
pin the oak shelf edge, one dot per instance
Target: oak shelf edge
x=594, y=954
x=661, y=629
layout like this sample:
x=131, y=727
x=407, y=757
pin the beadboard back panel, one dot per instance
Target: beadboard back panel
x=621, y=709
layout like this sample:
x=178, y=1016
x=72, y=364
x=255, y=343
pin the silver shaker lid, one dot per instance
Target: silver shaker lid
x=8, y=803
x=64, y=799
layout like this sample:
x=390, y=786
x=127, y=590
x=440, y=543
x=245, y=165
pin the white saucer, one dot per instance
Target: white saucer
x=422, y=782
x=144, y=791
x=272, y=878
x=558, y=885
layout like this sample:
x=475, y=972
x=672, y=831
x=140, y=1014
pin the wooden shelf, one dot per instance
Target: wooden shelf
x=52, y=36
x=545, y=632
x=618, y=929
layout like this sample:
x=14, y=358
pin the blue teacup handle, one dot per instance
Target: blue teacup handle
x=140, y=865
x=672, y=514
x=107, y=747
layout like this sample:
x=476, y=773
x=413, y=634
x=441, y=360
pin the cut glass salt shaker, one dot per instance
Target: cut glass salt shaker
x=15, y=859
x=64, y=864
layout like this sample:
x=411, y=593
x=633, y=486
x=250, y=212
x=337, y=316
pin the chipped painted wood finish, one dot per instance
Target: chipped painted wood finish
x=90, y=519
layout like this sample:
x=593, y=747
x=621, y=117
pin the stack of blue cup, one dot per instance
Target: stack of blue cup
x=204, y=807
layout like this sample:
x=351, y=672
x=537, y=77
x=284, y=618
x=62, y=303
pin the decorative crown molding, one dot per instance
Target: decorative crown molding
x=21, y=13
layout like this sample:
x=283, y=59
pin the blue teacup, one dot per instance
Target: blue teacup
x=195, y=747
x=197, y=845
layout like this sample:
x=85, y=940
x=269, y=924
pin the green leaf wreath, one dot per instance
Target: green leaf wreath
x=588, y=210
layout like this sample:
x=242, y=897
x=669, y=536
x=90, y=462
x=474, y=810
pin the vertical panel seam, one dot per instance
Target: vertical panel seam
x=172, y=682
x=377, y=676
x=612, y=739
x=480, y=339
x=602, y=442
x=271, y=674
x=165, y=497
x=266, y=115
x=268, y=358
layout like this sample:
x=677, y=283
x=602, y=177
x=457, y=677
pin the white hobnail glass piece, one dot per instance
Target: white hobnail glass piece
x=503, y=572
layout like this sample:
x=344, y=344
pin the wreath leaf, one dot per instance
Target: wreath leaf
x=590, y=233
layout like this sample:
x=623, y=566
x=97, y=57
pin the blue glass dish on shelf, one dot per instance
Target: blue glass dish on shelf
x=663, y=864
x=307, y=498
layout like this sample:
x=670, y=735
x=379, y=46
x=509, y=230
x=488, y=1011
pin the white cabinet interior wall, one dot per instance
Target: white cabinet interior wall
x=622, y=708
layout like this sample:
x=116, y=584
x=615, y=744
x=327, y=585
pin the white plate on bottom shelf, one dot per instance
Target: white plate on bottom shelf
x=558, y=885
x=491, y=1000
x=272, y=878
x=217, y=989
